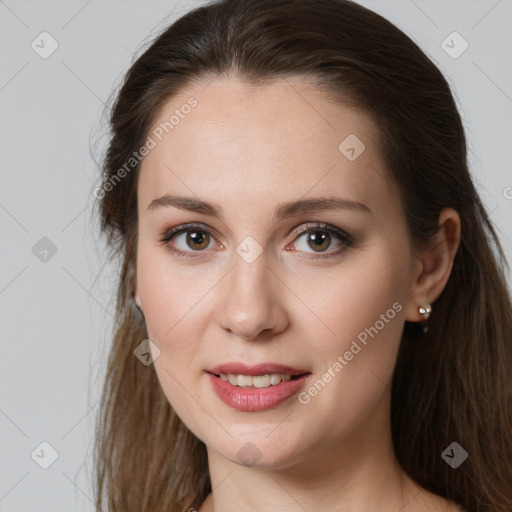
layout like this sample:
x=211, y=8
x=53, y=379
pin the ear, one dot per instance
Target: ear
x=434, y=265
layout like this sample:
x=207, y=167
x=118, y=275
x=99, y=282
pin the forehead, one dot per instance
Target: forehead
x=284, y=140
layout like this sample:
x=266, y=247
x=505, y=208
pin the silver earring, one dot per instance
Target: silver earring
x=425, y=312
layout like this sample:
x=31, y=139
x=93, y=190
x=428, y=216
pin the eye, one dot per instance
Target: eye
x=194, y=239
x=187, y=239
x=319, y=238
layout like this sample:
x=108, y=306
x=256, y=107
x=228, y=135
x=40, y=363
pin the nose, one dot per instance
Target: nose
x=253, y=300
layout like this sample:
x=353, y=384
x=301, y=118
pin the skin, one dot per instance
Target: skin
x=248, y=150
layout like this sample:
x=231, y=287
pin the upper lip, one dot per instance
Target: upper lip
x=258, y=369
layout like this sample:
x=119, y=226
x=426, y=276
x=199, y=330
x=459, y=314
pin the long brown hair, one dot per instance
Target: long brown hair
x=453, y=384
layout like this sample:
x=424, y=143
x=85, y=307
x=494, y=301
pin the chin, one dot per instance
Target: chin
x=261, y=452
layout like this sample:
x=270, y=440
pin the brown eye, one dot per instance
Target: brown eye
x=189, y=239
x=323, y=239
x=319, y=240
x=197, y=240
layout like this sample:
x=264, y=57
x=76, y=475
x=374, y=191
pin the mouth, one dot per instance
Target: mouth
x=256, y=388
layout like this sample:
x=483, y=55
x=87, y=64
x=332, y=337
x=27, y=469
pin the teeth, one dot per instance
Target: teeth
x=244, y=380
x=258, y=381
x=275, y=378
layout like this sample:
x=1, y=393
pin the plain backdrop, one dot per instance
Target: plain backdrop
x=55, y=285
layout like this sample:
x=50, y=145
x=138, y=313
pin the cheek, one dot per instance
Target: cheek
x=356, y=296
x=167, y=301
x=168, y=292
x=364, y=311
x=171, y=300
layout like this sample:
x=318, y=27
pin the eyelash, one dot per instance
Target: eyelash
x=342, y=236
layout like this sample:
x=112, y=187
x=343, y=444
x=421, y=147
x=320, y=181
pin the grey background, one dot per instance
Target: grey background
x=55, y=314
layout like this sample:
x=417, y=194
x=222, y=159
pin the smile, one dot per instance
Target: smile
x=245, y=395
x=256, y=381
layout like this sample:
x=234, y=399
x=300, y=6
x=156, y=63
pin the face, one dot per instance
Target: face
x=272, y=239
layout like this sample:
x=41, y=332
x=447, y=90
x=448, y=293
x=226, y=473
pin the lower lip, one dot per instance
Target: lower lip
x=256, y=399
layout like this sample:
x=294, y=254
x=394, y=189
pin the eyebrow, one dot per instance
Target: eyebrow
x=283, y=210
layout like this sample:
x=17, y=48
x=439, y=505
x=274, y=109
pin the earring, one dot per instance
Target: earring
x=425, y=312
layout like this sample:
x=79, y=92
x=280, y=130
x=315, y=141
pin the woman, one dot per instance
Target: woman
x=310, y=313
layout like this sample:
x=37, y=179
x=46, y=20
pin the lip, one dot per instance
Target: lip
x=256, y=399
